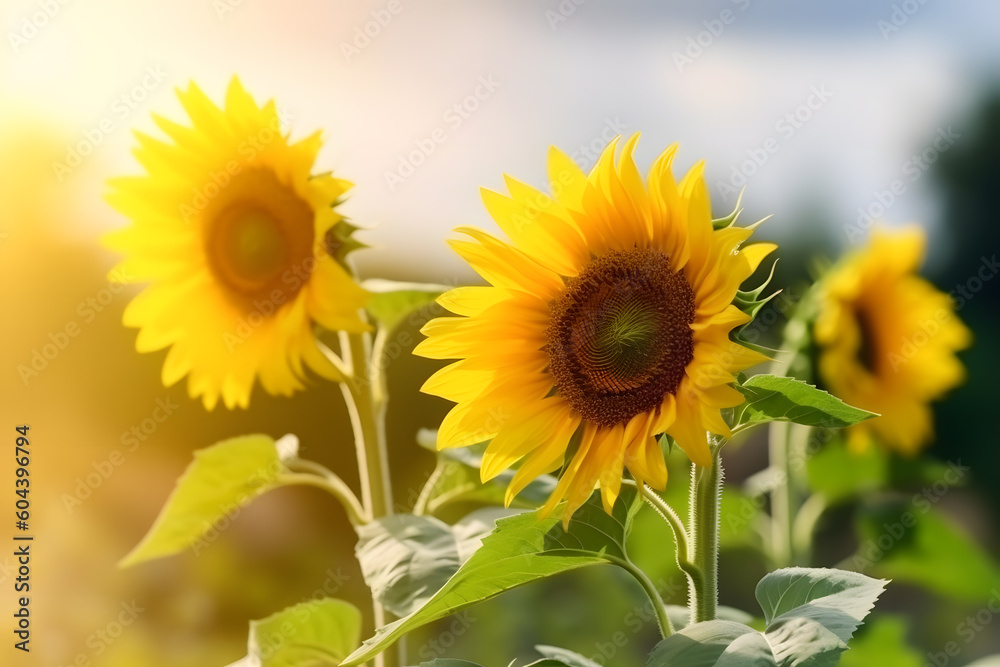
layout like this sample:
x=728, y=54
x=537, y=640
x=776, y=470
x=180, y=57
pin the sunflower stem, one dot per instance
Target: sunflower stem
x=805, y=525
x=366, y=405
x=787, y=451
x=310, y=473
x=782, y=501
x=667, y=513
x=367, y=415
x=335, y=360
x=703, y=549
x=787, y=445
x=420, y=507
x=662, y=618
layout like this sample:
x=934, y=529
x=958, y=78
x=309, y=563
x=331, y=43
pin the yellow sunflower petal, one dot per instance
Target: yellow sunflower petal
x=225, y=224
x=567, y=180
x=539, y=422
x=887, y=341
x=622, y=331
x=504, y=266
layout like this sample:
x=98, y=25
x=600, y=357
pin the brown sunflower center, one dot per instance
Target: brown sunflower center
x=259, y=237
x=619, y=338
x=868, y=352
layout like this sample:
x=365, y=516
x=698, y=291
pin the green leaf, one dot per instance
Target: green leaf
x=810, y=616
x=772, y=398
x=406, y=559
x=680, y=616
x=791, y=592
x=318, y=633
x=391, y=301
x=713, y=644
x=565, y=656
x=914, y=543
x=448, y=662
x=814, y=612
x=521, y=549
x=882, y=643
x=221, y=479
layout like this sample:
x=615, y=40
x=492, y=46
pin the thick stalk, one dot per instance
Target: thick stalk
x=706, y=489
x=366, y=405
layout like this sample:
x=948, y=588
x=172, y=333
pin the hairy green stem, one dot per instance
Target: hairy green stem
x=683, y=553
x=706, y=489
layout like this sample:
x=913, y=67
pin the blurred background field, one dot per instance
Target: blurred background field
x=818, y=110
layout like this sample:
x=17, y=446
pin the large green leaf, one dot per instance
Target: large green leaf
x=772, y=398
x=713, y=644
x=810, y=616
x=680, y=616
x=883, y=644
x=570, y=658
x=392, y=301
x=318, y=633
x=406, y=559
x=792, y=591
x=913, y=542
x=220, y=481
x=521, y=549
x=451, y=662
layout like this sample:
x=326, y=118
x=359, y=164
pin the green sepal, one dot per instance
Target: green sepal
x=339, y=241
x=729, y=220
x=751, y=302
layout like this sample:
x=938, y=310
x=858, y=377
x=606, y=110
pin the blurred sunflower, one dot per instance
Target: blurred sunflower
x=887, y=340
x=231, y=232
x=606, y=323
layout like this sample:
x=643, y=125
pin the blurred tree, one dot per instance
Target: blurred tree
x=969, y=174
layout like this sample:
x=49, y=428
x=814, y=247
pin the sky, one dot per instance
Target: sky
x=813, y=108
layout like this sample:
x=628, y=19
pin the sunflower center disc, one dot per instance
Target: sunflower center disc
x=619, y=338
x=868, y=352
x=260, y=240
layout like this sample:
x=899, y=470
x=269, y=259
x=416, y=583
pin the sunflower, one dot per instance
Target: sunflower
x=606, y=322
x=231, y=233
x=887, y=340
